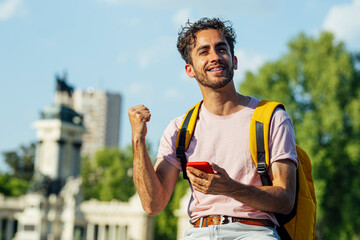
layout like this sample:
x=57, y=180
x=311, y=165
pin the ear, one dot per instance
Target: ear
x=189, y=70
x=235, y=63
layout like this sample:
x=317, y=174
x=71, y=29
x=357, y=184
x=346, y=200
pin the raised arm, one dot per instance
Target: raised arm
x=153, y=184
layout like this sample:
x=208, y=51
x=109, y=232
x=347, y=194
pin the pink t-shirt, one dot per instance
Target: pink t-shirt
x=224, y=140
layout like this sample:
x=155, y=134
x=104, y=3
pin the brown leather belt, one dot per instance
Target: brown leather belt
x=219, y=220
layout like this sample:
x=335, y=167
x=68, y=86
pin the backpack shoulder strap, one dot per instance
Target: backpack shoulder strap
x=259, y=137
x=184, y=135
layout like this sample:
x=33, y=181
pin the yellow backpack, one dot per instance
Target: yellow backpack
x=300, y=223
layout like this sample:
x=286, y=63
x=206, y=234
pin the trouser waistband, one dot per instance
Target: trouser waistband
x=219, y=220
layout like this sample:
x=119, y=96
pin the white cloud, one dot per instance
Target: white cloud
x=184, y=77
x=247, y=62
x=141, y=3
x=181, y=17
x=257, y=8
x=122, y=58
x=153, y=54
x=172, y=93
x=344, y=21
x=253, y=10
x=48, y=43
x=145, y=59
x=10, y=9
x=137, y=88
x=135, y=22
x=115, y=1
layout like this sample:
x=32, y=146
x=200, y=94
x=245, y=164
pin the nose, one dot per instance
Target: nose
x=214, y=56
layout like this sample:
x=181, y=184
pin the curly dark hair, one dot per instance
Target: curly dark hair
x=187, y=35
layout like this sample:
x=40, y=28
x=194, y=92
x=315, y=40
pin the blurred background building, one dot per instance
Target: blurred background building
x=77, y=124
x=101, y=112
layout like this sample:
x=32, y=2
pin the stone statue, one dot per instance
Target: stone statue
x=62, y=86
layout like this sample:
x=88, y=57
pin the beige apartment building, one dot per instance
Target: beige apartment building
x=100, y=111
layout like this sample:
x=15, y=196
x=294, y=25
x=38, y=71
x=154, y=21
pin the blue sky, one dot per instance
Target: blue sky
x=129, y=46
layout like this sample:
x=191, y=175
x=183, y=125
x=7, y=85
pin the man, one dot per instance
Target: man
x=232, y=203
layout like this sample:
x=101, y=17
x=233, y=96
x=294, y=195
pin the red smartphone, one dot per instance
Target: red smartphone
x=203, y=166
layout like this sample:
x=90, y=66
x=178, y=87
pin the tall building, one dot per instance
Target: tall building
x=101, y=113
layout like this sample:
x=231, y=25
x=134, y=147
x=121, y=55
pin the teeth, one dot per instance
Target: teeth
x=216, y=69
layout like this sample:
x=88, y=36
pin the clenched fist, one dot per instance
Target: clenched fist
x=139, y=116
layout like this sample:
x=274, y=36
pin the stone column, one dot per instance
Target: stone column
x=9, y=229
x=112, y=232
x=101, y=234
x=90, y=231
x=121, y=232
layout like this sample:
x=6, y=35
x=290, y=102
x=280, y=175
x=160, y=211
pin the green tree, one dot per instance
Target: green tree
x=109, y=175
x=12, y=186
x=166, y=221
x=318, y=81
x=21, y=163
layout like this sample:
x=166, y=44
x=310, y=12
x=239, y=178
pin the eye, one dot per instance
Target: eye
x=222, y=50
x=204, y=52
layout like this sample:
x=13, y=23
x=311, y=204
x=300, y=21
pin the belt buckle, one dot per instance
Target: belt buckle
x=201, y=222
x=225, y=219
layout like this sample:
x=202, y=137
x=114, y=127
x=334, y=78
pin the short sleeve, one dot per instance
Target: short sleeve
x=282, y=138
x=167, y=149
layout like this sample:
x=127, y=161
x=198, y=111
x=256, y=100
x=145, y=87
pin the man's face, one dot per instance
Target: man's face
x=212, y=63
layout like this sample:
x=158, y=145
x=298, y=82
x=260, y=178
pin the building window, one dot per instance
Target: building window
x=29, y=228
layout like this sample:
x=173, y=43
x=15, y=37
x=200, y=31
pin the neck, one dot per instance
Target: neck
x=224, y=101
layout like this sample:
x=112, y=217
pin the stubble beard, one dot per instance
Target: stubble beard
x=205, y=81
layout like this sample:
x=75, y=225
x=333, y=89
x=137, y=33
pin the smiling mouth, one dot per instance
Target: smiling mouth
x=216, y=69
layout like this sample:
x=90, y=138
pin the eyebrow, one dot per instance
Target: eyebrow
x=207, y=46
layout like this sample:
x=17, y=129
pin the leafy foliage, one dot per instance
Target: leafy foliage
x=12, y=186
x=109, y=175
x=21, y=163
x=166, y=221
x=318, y=81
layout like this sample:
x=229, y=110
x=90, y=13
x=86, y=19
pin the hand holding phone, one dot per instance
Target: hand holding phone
x=203, y=166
